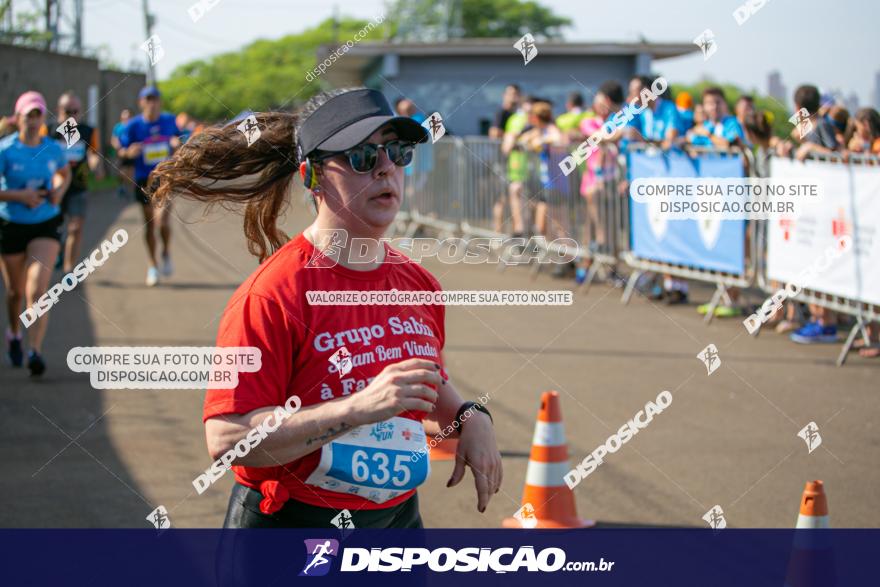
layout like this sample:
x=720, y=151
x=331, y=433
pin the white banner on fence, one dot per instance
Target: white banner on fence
x=850, y=206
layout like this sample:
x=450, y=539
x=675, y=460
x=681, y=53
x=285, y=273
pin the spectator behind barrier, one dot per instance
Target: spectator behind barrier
x=658, y=123
x=863, y=132
x=720, y=129
x=569, y=121
x=821, y=136
x=509, y=104
x=606, y=102
x=839, y=117
x=685, y=105
x=540, y=135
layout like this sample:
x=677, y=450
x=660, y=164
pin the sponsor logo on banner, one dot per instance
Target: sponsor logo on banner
x=656, y=220
x=710, y=230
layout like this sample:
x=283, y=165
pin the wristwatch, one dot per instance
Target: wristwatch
x=471, y=406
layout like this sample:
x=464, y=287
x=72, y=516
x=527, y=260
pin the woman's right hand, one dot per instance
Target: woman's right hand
x=397, y=388
x=31, y=197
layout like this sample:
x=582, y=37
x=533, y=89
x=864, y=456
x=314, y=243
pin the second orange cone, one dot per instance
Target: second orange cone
x=547, y=499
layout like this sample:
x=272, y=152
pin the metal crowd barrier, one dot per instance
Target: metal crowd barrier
x=459, y=186
x=863, y=312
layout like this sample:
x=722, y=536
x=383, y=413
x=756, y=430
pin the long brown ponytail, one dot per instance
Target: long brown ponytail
x=217, y=166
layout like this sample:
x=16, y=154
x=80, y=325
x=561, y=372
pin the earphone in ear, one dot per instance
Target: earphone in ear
x=309, y=177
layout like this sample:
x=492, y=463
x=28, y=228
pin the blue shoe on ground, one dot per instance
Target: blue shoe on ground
x=580, y=275
x=14, y=351
x=813, y=332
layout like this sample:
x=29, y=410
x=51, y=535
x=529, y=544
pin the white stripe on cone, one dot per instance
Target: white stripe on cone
x=812, y=521
x=541, y=474
x=549, y=434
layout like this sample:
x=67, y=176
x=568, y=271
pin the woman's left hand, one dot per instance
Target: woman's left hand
x=477, y=450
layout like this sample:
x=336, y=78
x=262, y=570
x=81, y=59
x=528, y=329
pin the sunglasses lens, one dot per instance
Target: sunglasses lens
x=363, y=158
x=400, y=152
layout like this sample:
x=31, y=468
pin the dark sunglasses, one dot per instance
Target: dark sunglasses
x=363, y=157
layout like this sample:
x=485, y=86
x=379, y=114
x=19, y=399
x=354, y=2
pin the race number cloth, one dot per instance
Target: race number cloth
x=706, y=243
x=374, y=461
x=849, y=205
x=302, y=351
x=156, y=150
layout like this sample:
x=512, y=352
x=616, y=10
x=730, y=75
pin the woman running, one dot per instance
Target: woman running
x=366, y=375
x=36, y=176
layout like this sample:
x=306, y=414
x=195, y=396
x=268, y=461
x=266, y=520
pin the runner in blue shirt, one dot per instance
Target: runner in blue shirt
x=148, y=139
x=34, y=177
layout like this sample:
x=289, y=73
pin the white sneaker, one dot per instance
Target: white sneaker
x=167, y=267
x=152, y=276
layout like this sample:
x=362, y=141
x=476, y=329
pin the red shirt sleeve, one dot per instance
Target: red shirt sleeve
x=255, y=321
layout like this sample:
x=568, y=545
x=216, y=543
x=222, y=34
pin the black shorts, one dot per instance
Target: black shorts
x=14, y=237
x=140, y=193
x=244, y=512
x=126, y=162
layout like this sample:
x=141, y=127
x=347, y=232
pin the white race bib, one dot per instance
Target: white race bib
x=377, y=462
x=155, y=153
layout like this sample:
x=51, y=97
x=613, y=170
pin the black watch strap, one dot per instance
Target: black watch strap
x=471, y=406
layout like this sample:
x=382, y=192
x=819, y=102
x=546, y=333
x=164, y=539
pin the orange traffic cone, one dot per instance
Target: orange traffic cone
x=814, y=507
x=547, y=501
x=444, y=450
x=812, y=559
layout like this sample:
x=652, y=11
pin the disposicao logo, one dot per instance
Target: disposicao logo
x=320, y=553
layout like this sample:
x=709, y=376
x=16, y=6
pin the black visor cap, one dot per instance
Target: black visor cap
x=346, y=120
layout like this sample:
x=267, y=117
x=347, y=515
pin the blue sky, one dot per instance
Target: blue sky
x=832, y=45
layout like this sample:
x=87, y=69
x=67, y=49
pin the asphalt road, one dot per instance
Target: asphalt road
x=78, y=457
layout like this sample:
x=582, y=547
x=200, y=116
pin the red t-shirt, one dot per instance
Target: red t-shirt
x=270, y=311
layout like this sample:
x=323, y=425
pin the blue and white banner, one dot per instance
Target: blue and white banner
x=709, y=243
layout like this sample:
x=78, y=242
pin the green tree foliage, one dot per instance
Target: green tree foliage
x=781, y=126
x=510, y=18
x=261, y=76
x=439, y=19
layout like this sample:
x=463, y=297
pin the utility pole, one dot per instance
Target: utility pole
x=148, y=25
x=78, y=26
x=53, y=15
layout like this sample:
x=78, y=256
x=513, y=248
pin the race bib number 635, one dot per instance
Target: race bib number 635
x=375, y=461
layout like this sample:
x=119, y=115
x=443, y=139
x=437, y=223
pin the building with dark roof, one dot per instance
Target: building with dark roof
x=464, y=79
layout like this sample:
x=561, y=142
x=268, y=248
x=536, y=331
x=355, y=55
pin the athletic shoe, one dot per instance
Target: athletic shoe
x=813, y=333
x=14, y=352
x=703, y=309
x=152, y=276
x=580, y=275
x=36, y=364
x=656, y=294
x=727, y=311
x=167, y=267
x=786, y=326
